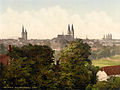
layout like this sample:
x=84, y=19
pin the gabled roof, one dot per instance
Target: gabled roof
x=111, y=70
x=4, y=59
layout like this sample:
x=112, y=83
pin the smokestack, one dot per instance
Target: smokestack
x=9, y=48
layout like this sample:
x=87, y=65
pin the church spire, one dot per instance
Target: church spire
x=22, y=29
x=22, y=34
x=69, y=32
x=72, y=31
x=68, y=27
x=72, y=28
x=25, y=34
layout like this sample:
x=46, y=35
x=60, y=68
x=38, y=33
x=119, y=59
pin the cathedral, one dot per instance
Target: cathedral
x=71, y=32
x=61, y=37
x=107, y=37
x=24, y=33
x=69, y=36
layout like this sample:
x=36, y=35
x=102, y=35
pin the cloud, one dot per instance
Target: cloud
x=49, y=22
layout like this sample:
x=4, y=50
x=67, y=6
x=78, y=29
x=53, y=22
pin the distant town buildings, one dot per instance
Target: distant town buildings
x=59, y=42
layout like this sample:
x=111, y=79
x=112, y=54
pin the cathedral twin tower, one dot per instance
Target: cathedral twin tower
x=71, y=32
x=24, y=33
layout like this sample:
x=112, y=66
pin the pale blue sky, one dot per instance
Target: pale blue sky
x=90, y=17
x=74, y=6
x=108, y=5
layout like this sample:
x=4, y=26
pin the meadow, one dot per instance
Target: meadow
x=111, y=61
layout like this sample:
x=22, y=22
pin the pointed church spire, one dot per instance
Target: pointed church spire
x=72, y=28
x=69, y=32
x=69, y=27
x=22, y=28
x=22, y=34
x=72, y=31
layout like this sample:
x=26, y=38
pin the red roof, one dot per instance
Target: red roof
x=4, y=59
x=111, y=70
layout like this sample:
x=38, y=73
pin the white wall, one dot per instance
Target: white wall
x=102, y=76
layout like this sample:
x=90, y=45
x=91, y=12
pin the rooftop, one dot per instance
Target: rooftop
x=111, y=70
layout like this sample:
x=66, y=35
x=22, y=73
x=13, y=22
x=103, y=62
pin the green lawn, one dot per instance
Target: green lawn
x=115, y=57
x=115, y=60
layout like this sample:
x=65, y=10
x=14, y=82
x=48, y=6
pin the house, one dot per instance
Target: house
x=106, y=72
x=4, y=59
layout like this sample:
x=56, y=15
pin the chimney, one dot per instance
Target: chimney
x=9, y=48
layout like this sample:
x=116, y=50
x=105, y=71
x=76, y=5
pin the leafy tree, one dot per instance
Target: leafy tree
x=19, y=73
x=93, y=71
x=31, y=66
x=74, y=61
x=113, y=83
x=77, y=51
x=105, y=51
x=3, y=71
x=104, y=85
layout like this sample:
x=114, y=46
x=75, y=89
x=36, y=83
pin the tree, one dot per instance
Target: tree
x=31, y=66
x=74, y=61
x=77, y=51
x=3, y=71
x=113, y=83
x=93, y=71
x=19, y=73
x=104, y=85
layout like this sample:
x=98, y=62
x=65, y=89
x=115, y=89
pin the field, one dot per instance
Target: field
x=115, y=60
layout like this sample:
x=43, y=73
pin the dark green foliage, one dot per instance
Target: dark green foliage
x=93, y=71
x=74, y=61
x=36, y=52
x=112, y=84
x=105, y=51
x=3, y=71
x=103, y=85
x=30, y=67
x=76, y=51
x=102, y=52
x=19, y=73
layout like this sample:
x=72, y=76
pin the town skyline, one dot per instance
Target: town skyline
x=47, y=19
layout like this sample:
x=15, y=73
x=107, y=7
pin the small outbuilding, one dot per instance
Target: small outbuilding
x=106, y=72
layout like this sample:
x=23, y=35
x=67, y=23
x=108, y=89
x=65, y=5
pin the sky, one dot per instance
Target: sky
x=45, y=19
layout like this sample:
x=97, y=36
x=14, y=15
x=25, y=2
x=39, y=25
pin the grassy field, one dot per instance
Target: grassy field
x=115, y=60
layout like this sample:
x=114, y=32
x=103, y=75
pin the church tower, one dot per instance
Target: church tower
x=69, y=32
x=24, y=33
x=72, y=31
